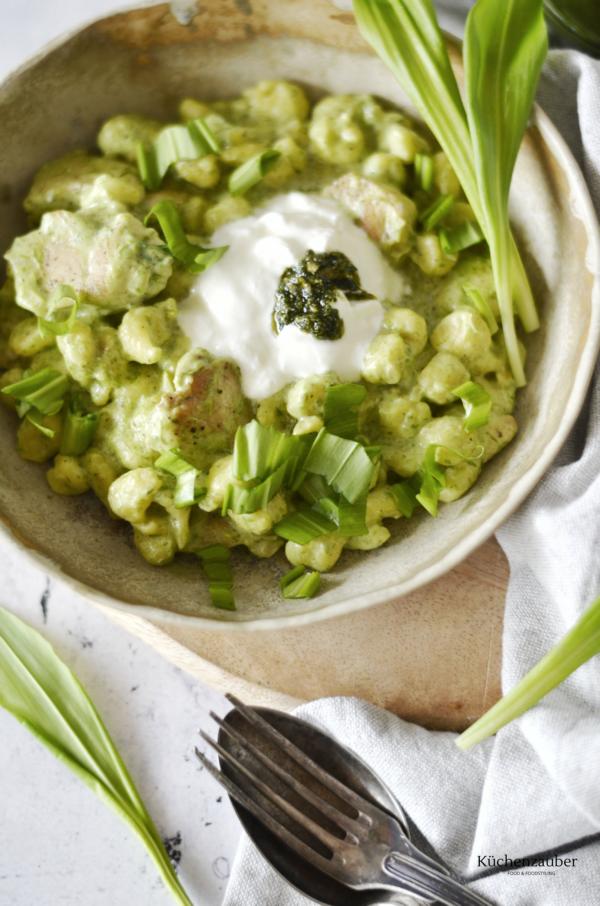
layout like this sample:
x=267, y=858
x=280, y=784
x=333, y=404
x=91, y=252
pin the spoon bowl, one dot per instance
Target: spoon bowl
x=347, y=767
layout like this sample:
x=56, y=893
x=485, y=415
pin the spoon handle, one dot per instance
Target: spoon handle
x=421, y=878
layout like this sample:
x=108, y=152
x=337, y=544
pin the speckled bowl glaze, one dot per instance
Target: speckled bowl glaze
x=144, y=60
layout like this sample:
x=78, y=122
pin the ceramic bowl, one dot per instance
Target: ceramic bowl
x=144, y=60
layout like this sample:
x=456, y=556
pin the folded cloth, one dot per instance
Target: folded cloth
x=534, y=788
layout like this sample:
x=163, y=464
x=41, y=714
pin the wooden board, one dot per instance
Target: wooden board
x=432, y=656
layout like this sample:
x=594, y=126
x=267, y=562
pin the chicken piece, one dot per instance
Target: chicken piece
x=204, y=416
x=385, y=213
x=114, y=261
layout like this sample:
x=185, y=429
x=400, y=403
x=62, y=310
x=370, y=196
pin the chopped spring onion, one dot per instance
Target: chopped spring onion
x=433, y=480
x=40, y=691
x=186, y=477
x=341, y=409
x=482, y=149
x=195, y=258
x=476, y=300
x=252, y=171
x=55, y=326
x=344, y=464
x=405, y=494
x=295, y=471
x=249, y=500
x=174, y=143
x=299, y=583
x=258, y=450
x=36, y=421
x=580, y=644
x=314, y=488
x=293, y=574
x=187, y=492
x=79, y=428
x=173, y=462
x=216, y=563
x=424, y=171
x=203, y=133
x=477, y=403
x=43, y=390
x=436, y=211
x=147, y=167
x=426, y=485
x=304, y=525
x=351, y=517
x=463, y=236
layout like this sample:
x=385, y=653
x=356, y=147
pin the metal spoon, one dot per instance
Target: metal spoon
x=352, y=771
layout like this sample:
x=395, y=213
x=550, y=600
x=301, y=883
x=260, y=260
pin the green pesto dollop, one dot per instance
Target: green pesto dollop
x=308, y=291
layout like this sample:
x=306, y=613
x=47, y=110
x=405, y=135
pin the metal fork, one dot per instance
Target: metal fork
x=337, y=832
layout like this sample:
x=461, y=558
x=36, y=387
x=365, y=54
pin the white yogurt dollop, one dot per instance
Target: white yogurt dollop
x=229, y=308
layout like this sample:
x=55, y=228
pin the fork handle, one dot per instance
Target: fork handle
x=425, y=881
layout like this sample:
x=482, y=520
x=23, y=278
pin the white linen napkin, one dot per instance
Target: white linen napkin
x=536, y=786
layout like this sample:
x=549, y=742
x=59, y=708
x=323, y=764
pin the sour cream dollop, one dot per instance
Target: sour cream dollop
x=229, y=308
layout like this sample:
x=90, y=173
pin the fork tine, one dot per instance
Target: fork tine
x=282, y=833
x=335, y=786
x=350, y=825
x=324, y=836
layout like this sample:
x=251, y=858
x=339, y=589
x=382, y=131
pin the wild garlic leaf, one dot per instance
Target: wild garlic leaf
x=39, y=690
x=407, y=37
x=504, y=49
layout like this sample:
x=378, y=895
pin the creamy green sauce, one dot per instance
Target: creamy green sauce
x=153, y=392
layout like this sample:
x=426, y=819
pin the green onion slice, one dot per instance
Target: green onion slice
x=476, y=300
x=186, y=477
x=289, y=577
x=436, y=211
x=216, y=564
x=463, y=236
x=299, y=583
x=304, y=525
x=249, y=500
x=35, y=419
x=43, y=390
x=252, y=171
x=79, y=428
x=405, y=494
x=258, y=450
x=202, y=133
x=172, y=144
x=195, y=258
x=433, y=480
x=344, y=464
x=187, y=492
x=341, y=409
x=56, y=326
x=352, y=517
x=424, y=171
x=147, y=167
x=314, y=488
x=173, y=462
x=477, y=403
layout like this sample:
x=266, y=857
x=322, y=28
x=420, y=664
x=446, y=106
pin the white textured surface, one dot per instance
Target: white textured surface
x=58, y=844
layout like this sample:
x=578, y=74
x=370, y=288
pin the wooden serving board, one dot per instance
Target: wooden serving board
x=432, y=657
